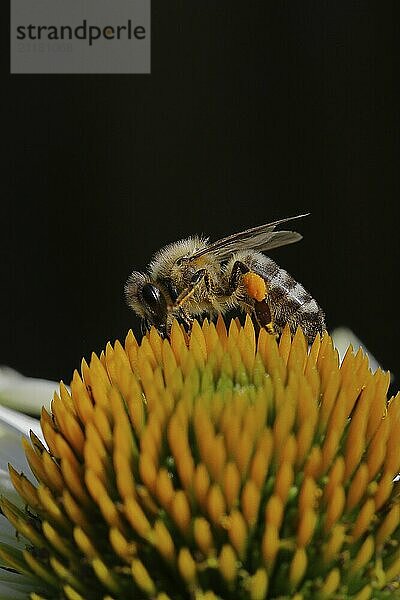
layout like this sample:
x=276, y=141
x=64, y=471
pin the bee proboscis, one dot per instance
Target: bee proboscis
x=193, y=277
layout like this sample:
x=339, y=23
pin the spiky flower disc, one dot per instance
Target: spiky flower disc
x=216, y=467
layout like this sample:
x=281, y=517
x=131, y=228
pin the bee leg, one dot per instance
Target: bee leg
x=144, y=326
x=254, y=284
x=238, y=269
x=188, y=322
x=257, y=290
x=200, y=276
x=186, y=319
x=264, y=317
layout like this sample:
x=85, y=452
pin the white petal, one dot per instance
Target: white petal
x=16, y=587
x=20, y=422
x=13, y=426
x=343, y=337
x=12, y=585
x=25, y=393
x=29, y=394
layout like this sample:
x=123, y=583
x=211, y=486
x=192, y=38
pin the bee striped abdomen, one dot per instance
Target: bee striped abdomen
x=289, y=302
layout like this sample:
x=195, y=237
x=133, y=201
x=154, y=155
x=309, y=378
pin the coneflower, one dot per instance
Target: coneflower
x=216, y=466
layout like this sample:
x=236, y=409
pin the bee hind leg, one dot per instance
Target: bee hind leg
x=264, y=318
x=254, y=284
x=257, y=291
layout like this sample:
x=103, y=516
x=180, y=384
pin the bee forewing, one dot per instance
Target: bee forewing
x=259, y=238
x=261, y=242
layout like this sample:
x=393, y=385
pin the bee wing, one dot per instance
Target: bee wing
x=259, y=238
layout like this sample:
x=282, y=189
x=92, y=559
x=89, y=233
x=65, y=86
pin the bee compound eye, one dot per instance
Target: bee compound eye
x=154, y=301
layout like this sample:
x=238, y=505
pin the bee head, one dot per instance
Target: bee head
x=147, y=300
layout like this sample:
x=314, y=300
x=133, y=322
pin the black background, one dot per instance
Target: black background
x=253, y=112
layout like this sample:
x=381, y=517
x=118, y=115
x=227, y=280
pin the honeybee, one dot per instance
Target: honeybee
x=193, y=277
